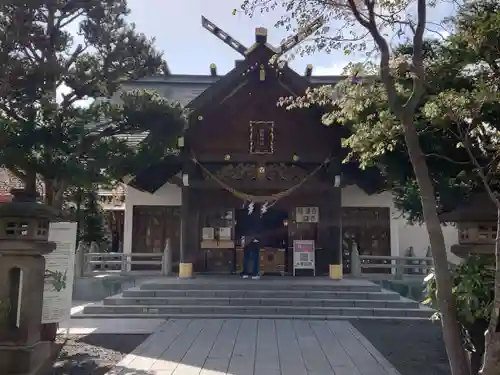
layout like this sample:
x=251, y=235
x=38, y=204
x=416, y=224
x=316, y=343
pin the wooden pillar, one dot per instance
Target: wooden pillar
x=335, y=233
x=185, y=267
x=336, y=228
x=184, y=224
x=330, y=234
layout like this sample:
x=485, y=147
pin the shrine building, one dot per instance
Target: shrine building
x=241, y=148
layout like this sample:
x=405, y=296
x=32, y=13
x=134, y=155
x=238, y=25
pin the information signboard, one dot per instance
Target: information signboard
x=303, y=255
x=59, y=273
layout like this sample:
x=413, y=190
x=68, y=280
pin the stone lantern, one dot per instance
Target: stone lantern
x=24, y=227
x=476, y=221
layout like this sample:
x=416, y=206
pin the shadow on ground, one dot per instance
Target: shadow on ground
x=94, y=354
x=423, y=351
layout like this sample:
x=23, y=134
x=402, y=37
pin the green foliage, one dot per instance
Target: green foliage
x=361, y=102
x=473, y=282
x=93, y=225
x=375, y=137
x=347, y=35
x=56, y=118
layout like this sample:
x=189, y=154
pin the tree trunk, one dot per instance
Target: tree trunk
x=476, y=334
x=491, y=363
x=459, y=363
x=476, y=361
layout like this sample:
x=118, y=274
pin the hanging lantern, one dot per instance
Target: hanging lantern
x=262, y=73
x=337, y=181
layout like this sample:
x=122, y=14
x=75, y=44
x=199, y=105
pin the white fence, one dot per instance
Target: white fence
x=397, y=266
x=366, y=266
x=94, y=263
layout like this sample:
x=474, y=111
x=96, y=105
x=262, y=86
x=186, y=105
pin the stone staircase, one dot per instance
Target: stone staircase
x=299, y=298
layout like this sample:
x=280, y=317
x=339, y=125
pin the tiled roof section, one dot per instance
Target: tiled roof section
x=8, y=181
x=133, y=139
x=184, y=88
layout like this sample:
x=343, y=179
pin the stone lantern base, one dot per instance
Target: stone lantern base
x=26, y=360
x=24, y=226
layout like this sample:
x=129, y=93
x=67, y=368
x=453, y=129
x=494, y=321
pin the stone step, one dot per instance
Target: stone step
x=355, y=295
x=245, y=301
x=257, y=311
x=244, y=285
x=245, y=316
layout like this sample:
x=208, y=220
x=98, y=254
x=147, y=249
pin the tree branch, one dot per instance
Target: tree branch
x=383, y=46
x=480, y=172
x=439, y=156
x=61, y=24
x=418, y=58
x=13, y=114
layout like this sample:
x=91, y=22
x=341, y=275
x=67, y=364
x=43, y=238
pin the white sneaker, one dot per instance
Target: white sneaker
x=244, y=276
x=256, y=277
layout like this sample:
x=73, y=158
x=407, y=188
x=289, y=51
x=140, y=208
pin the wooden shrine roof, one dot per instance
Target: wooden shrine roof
x=478, y=208
x=199, y=91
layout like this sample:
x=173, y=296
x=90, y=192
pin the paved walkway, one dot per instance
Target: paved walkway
x=255, y=347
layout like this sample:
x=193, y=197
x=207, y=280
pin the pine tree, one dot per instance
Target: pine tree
x=93, y=224
x=58, y=123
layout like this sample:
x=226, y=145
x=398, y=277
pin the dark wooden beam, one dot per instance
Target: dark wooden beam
x=249, y=186
x=261, y=35
x=213, y=70
x=292, y=41
x=309, y=69
x=222, y=35
x=254, y=158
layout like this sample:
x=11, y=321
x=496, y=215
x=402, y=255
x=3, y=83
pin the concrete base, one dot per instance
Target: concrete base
x=96, y=288
x=25, y=360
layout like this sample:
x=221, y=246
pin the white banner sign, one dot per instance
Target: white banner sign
x=59, y=273
x=303, y=254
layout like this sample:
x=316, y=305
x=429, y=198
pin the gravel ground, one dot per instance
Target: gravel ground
x=93, y=354
x=413, y=347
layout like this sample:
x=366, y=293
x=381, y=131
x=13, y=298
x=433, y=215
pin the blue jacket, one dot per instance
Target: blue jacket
x=253, y=225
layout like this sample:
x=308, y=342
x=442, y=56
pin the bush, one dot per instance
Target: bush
x=473, y=283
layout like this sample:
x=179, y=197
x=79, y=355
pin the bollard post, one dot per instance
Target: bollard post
x=80, y=260
x=166, y=267
x=355, y=261
x=400, y=270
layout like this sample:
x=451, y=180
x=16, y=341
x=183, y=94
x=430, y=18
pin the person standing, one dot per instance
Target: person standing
x=251, y=247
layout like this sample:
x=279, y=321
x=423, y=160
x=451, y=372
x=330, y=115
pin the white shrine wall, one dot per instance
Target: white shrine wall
x=402, y=234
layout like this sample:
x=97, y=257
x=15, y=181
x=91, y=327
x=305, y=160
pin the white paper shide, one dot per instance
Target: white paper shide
x=59, y=273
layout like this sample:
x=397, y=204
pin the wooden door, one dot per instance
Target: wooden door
x=152, y=226
x=370, y=228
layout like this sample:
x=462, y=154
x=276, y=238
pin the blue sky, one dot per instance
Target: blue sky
x=190, y=49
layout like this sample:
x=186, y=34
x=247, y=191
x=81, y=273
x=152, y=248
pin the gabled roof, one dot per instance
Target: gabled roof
x=156, y=174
